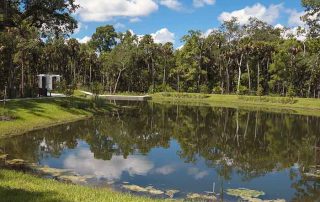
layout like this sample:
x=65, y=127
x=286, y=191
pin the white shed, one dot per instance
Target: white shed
x=47, y=82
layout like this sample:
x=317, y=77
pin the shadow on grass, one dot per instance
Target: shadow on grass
x=73, y=105
x=16, y=195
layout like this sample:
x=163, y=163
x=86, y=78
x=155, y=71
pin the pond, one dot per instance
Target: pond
x=173, y=151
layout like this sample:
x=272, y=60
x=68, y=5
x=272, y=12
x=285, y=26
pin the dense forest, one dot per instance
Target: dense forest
x=255, y=58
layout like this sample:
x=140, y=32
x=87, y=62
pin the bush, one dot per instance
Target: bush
x=260, y=91
x=191, y=89
x=291, y=93
x=63, y=88
x=204, y=89
x=217, y=90
x=160, y=88
x=243, y=90
x=96, y=89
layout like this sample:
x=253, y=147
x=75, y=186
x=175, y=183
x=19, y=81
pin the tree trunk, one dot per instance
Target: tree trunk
x=90, y=66
x=249, y=75
x=22, y=79
x=258, y=75
x=117, y=81
x=178, y=82
x=239, y=76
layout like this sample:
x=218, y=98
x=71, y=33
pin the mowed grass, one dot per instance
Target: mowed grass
x=303, y=106
x=40, y=113
x=17, y=186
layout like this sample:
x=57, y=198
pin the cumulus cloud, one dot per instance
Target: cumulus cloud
x=102, y=10
x=201, y=3
x=172, y=4
x=119, y=26
x=135, y=20
x=84, y=163
x=268, y=14
x=294, y=18
x=163, y=36
x=85, y=39
x=197, y=174
x=165, y=170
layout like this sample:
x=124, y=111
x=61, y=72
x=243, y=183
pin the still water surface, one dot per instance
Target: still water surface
x=190, y=149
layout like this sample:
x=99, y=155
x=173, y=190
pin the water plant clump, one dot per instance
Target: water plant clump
x=245, y=193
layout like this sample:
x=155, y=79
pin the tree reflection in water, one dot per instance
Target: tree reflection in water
x=254, y=142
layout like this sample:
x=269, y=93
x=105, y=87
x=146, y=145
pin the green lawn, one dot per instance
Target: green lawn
x=39, y=113
x=303, y=106
x=16, y=187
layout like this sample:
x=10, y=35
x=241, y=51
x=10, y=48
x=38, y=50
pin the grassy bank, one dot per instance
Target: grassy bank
x=16, y=186
x=303, y=106
x=27, y=115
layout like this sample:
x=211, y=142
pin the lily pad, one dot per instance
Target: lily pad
x=148, y=189
x=171, y=192
x=154, y=191
x=54, y=172
x=73, y=179
x=261, y=200
x=135, y=188
x=196, y=196
x=245, y=193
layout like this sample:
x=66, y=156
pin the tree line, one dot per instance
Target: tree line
x=255, y=58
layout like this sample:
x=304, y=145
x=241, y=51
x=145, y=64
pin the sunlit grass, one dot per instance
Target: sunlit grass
x=34, y=114
x=16, y=186
x=304, y=106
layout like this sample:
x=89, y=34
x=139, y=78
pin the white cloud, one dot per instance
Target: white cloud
x=180, y=47
x=84, y=163
x=135, y=20
x=208, y=32
x=102, y=10
x=76, y=31
x=201, y=3
x=119, y=26
x=85, y=39
x=163, y=36
x=294, y=18
x=197, y=174
x=172, y=4
x=268, y=14
x=165, y=170
x=279, y=26
x=294, y=32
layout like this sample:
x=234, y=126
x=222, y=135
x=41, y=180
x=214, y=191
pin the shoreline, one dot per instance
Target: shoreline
x=302, y=106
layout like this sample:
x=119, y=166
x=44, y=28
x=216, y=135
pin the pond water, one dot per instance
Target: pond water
x=193, y=149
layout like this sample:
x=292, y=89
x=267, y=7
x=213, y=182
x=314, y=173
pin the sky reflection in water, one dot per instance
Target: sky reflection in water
x=187, y=148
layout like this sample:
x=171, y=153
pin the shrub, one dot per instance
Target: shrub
x=191, y=89
x=260, y=91
x=160, y=88
x=243, y=90
x=96, y=89
x=217, y=90
x=204, y=89
x=290, y=92
x=62, y=87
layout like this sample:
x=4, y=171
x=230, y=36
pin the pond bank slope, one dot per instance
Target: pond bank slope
x=302, y=106
x=28, y=115
x=17, y=186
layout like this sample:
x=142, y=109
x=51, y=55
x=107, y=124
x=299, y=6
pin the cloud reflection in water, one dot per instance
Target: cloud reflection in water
x=84, y=163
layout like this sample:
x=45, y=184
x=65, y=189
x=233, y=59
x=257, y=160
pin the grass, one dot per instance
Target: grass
x=303, y=106
x=17, y=186
x=39, y=113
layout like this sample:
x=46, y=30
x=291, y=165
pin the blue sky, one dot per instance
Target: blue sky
x=169, y=20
